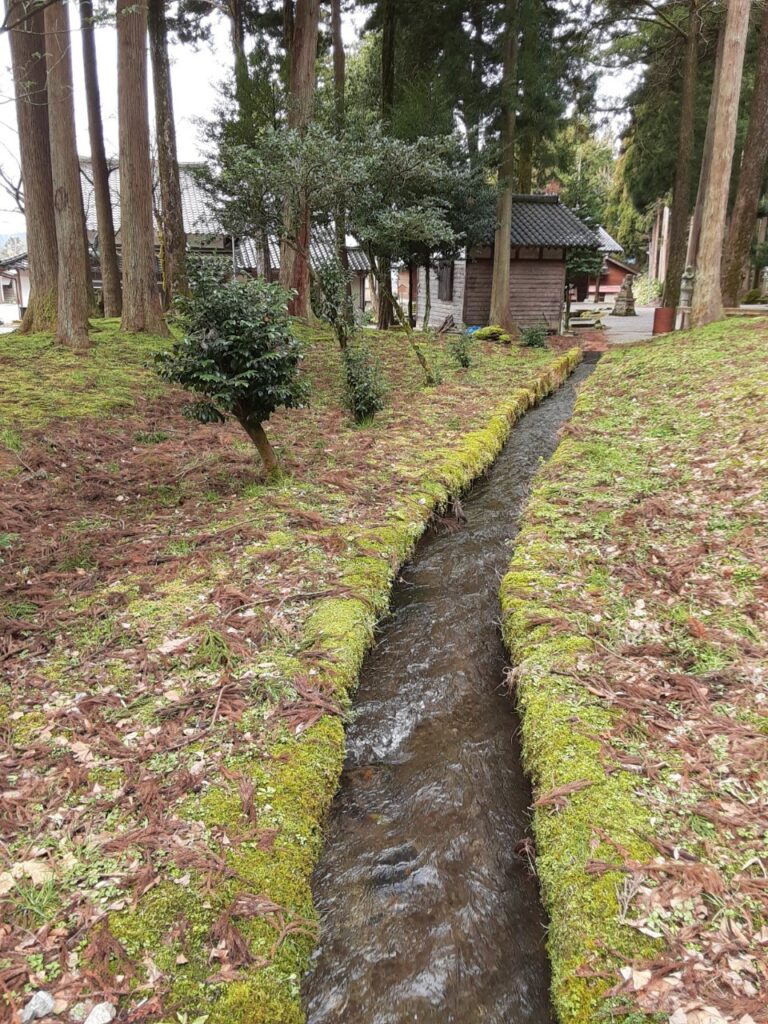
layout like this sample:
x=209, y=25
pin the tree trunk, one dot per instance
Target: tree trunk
x=236, y=12
x=751, y=175
x=30, y=86
x=681, y=192
x=141, y=300
x=427, y=295
x=525, y=163
x=110, y=273
x=294, y=265
x=694, y=236
x=288, y=26
x=73, y=277
x=339, y=89
x=259, y=437
x=389, y=25
x=707, y=296
x=501, y=312
x=411, y=270
x=171, y=219
x=471, y=106
x=386, y=312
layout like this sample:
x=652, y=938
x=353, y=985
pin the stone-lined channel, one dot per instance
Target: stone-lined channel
x=428, y=909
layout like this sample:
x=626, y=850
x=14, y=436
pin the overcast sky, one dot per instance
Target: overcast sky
x=197, y=75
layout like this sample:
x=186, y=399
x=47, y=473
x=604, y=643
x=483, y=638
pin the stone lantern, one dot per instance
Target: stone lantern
x=686, y=297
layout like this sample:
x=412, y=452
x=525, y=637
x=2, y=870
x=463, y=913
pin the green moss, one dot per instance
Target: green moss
x=577, y=505
x=43, y=380
x=295, y=782
x=25, y=728
x=294, y=777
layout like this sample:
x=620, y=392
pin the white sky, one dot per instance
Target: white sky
x=196, y=74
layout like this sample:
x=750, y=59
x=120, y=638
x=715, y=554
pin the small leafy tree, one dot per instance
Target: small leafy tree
x=365, y=389
x=238, y=352
x=460, y=347
x=332, y=301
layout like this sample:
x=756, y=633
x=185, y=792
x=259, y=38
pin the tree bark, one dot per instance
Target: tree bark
x=751, y=176
x=694, y=236
x=501, y=312
x=141, y=299
x=427, y=295
x=389, y=26
x=259, y=437
x=471, y=106
x=110, y=273
x=73, y=276
x=339, y=89
x=288, y=26
x=171, y=218
x=294, y=264
x=707, y=296
x=31, y=91
x=386, y=311
x=681, y=191
x=525, y=164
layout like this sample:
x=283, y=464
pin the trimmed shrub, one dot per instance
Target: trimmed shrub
x=534, y=337
x=238, y=352
x=364, y=380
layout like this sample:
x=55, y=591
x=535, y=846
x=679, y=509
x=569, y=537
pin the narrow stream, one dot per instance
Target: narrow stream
x=428, y=909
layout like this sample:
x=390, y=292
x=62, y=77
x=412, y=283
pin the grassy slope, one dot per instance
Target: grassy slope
x=166, y=676
x=635, y=610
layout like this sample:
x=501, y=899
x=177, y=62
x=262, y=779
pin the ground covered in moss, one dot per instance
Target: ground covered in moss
x=180, y=640
x=636, y=611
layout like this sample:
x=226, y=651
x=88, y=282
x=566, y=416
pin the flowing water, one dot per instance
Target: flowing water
x=428, y=908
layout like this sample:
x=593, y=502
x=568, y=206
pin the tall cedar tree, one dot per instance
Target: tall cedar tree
x=694, y=233
x=681, y=191
x=173, y=246
x=339, y=90
x=386, y=310
x=500, y=299
x=707, y=296
x=141, y=299
x=27, y=39
x=110, y=272
x=294, y=260
x=751, y=174
x=471, y=104
x=74, y=275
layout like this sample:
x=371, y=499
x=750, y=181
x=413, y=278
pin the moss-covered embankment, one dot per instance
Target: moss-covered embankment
x=635, y=611
x=184, y=643
x=343, y=628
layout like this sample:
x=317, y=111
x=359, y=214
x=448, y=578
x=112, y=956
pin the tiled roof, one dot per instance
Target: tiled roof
x=18, y=262
x=544, y=220
x=195, y=204
x=322, y=250
x=199, y=219
x=607, y=242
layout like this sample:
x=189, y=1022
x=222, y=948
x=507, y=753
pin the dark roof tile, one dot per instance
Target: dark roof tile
x=322, y=250
x=544, y=220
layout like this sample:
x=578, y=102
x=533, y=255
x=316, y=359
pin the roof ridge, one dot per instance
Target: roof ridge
x=536, y=197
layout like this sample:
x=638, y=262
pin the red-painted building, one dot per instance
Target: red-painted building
x=608, y=283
